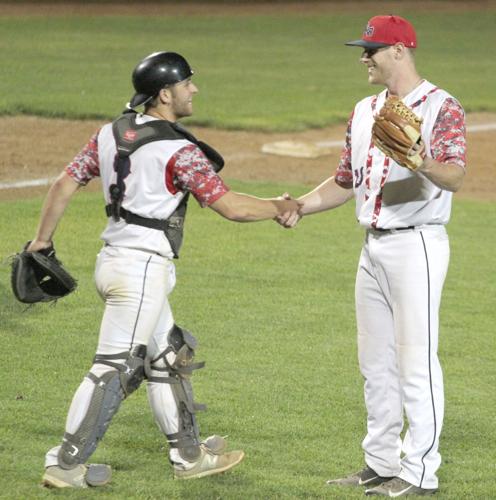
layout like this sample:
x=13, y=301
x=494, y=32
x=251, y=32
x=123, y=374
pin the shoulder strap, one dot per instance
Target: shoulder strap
x=129, y=136
x=213, y=155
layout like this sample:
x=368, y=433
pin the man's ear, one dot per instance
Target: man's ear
x=165, y=96
x=399, y=51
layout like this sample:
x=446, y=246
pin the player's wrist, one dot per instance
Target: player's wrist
x=38, y=244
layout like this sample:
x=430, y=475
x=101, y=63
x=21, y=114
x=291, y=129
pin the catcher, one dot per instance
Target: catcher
x=149, y=165
x=403, y=158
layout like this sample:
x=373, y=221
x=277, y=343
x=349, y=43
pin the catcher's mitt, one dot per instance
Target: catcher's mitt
x=396, y=131
x=39, y=276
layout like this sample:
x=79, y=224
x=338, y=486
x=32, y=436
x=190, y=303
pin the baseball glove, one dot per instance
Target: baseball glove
x=39, y=276
x=396, y=131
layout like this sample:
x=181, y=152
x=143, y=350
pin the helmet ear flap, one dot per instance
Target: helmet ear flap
x=155, y=72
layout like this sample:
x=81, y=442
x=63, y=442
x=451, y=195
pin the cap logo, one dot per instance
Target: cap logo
x=369, y=30
x=130, y=135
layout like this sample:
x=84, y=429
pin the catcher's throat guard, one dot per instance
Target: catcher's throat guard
x=127, y=143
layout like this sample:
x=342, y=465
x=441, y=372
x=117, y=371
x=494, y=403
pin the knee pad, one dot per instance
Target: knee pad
x=131, y=372
x=109, y=391
x=178, y=362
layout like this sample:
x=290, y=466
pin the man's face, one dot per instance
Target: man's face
x=379, y=64
x=182, y=98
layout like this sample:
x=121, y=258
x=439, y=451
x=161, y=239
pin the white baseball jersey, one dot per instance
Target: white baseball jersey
x=161, y=172
x=399, y=283
x=149, y=190
x=387, y=195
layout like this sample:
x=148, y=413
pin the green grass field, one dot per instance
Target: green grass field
x=273, y=310
x=278, y=73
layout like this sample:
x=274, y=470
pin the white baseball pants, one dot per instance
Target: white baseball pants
x=398, y=293
x=134, y=286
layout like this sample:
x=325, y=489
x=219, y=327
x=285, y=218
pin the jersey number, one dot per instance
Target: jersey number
x=358, y=176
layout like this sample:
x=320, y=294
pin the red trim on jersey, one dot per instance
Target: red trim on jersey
x=423, y=98
x=385, y=172
x=190, y=170
x=368, y=163
x=86, y=164
x=344, y=172
x=448, y=139
x=378, y=198
x=169, y=175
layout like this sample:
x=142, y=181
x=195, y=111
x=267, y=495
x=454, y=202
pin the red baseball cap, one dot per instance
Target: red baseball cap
x=382, y=31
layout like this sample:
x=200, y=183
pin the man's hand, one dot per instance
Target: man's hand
x=291, y=215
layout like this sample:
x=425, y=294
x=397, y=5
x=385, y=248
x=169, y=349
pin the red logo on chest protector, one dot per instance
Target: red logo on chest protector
x=130, y=135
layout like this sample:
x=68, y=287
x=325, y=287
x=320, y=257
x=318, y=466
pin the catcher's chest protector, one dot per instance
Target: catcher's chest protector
x=129, y=136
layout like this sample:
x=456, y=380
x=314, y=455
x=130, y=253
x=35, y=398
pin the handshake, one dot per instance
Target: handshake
x=290, y=211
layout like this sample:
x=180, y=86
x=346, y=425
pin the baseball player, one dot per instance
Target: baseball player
x=149, y=165
x=403, y=263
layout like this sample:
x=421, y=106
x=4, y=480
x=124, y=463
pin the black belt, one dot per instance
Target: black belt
x=381, y=230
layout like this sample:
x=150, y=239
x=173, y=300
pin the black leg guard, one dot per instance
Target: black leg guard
x=110, y=390
x=181, y=346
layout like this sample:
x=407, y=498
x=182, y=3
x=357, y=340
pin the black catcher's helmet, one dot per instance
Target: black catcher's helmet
x=156, y=71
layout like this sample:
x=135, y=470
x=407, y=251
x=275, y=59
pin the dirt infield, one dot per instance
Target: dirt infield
x=37, y=148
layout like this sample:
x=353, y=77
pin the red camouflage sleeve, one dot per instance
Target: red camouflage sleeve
x=344, y=172
x=191, y=171
x=448, y=142
x=85, y=165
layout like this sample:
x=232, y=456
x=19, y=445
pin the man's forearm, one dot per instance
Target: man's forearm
x=242, y=207
x=326, y=196
x=56, y=201
x=448, y=176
